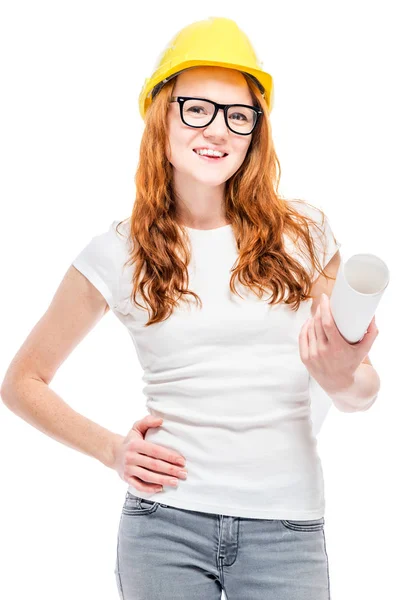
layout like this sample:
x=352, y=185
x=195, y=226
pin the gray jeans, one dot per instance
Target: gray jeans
x=168, y=553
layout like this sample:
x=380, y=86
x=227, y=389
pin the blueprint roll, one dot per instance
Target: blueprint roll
x=358, y=289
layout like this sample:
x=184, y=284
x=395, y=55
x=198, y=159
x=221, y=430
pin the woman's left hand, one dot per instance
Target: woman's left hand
x=329, y=358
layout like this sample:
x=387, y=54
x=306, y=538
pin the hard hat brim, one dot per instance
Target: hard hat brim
x=165, y=75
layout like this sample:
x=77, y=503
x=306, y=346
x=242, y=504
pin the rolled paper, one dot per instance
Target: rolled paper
x=358, y=289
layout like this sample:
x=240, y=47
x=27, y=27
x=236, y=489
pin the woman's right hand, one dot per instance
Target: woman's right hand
x=146, y=466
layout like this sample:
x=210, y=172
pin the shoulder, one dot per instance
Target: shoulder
x=119, y=232
x=103, y=260
x=111, y=244
x=318, y=224
x=314, y=214
x=326, y=246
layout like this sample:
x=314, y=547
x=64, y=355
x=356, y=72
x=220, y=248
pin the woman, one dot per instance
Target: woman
x=215, y=276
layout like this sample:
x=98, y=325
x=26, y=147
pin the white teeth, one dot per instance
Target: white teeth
x=209, y=152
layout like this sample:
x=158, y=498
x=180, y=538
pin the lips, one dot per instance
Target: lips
x=206, y=157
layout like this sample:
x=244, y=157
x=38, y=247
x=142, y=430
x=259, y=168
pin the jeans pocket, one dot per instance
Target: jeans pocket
x=135, y=506
x=309, y=525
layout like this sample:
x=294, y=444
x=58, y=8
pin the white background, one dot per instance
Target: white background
x=71, y=74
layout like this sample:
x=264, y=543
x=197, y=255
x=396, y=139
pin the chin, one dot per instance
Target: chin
x=211, y=181
x=210, y=176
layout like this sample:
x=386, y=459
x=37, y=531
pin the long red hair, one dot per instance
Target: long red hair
x=258, y=214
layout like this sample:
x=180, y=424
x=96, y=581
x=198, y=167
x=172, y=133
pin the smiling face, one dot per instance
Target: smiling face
x=225, y=86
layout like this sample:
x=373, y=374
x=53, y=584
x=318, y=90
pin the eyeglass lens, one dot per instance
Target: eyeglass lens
x=199, y=113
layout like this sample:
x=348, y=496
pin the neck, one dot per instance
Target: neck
x=199, y=205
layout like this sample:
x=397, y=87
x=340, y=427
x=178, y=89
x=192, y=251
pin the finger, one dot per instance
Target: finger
x=372, y=328
x=368, y=338
x=152, y=477
x=142, y=486
x=148, y=421
x=319, y=328
x=155, y=465
x=160, y=452
x=371, y=332
x=327, y=321
x=312, y=339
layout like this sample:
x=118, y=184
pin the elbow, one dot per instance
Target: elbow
x=349, y=408
x=370, y=404
x=10, y=390
x=7, y=392
x=344, y=407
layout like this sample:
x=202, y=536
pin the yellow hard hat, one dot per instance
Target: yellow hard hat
x=214, y=41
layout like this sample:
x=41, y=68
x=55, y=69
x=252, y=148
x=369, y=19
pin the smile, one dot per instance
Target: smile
x=210, y=158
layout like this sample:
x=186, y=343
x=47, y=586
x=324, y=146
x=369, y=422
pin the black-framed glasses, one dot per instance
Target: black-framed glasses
x=200, y=112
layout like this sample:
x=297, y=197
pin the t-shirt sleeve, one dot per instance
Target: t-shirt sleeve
x=100, y=262
x=325, y=243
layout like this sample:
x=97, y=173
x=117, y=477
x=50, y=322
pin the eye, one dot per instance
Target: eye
x=241, y=116
x=195, y=108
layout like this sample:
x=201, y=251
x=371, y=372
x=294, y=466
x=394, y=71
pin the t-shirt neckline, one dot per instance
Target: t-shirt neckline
x=223, y=227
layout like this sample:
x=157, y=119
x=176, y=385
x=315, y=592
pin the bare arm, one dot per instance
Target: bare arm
x=76, y=308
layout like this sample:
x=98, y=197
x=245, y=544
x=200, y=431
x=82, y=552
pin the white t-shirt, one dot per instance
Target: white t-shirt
x=227, y=379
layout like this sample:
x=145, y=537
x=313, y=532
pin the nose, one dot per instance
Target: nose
x=218, y=127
